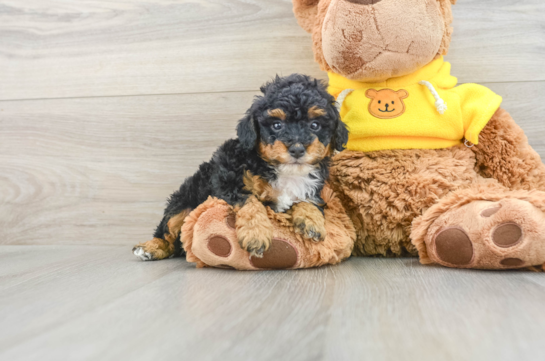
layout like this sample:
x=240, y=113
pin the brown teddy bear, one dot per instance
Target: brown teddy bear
x=432, y=168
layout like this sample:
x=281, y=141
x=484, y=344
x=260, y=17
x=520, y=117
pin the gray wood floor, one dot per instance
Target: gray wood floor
x=99, y=303
x=106, y=105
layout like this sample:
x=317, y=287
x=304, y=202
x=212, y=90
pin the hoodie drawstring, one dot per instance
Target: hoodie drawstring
x=439, y=103
x=342, y=97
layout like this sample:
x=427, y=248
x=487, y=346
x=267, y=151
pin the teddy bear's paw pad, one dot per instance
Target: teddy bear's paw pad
x=220, y=246
x=231, y=221
x=507, y=235
x=489, y=212
x=143, y=255
x=512, y=262
x=454, y=246
x=280, y=255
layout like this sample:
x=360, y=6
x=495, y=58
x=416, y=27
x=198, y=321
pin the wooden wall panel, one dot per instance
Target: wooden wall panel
x=62, y=48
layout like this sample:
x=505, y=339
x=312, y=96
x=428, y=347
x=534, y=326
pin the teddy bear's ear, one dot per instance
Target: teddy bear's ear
x=371, y=93
x=305, y=12
x=402, y=94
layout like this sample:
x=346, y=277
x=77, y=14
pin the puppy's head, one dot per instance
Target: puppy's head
x=295, y=121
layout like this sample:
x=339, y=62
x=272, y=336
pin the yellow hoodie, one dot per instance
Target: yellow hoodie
x=423, y=110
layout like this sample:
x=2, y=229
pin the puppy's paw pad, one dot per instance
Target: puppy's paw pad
x=143, y=255
x=453, y=246
x=507, y=235
x=280, y=255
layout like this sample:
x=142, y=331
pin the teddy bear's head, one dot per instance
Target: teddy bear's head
x=373, y=40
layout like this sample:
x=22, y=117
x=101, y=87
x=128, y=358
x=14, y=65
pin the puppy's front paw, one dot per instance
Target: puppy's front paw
x=308, y=221
x=310, y=229
x=255, y=245
x=254, y=228
x=255, y=237
x=153, y=250
x=143, y=255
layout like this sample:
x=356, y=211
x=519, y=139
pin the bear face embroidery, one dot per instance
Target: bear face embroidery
x=386, y=103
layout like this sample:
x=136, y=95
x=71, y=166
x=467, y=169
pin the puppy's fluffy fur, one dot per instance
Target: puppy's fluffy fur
x=280, y=159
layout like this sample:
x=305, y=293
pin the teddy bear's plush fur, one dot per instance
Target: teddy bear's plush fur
x=471, y=206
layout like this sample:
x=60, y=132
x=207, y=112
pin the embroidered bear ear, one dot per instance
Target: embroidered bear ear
x=402, y=94
x=371, y=93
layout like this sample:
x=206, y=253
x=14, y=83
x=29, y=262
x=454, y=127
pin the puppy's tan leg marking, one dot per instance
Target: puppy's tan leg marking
x=153, y=250
x=158, y=248
x=175, y=226
x=259, y=187
x=308, y=221
x=254, y=228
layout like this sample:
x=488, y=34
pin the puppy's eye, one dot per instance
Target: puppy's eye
x=277, y=126
x=315, y=126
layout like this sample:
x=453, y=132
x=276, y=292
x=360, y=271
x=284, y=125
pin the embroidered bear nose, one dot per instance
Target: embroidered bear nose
x=297, y=150
x=364, y=2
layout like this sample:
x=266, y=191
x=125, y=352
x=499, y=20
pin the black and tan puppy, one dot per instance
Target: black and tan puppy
x=280, y=159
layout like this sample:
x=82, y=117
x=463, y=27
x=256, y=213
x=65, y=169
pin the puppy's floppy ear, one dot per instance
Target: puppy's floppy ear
x=246, y=132
x=341, y=136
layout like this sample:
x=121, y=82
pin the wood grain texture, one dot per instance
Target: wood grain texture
x=100, y=303
x=59, y=48
x=98, y=170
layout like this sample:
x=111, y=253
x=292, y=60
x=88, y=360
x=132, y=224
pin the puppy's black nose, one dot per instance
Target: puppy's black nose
x=297, y=150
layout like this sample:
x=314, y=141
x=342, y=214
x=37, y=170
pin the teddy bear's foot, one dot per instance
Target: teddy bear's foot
x=210, y=238
x=506, y=234
x=215, y=244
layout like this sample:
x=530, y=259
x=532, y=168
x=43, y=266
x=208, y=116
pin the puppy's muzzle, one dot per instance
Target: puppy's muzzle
x=296, y=150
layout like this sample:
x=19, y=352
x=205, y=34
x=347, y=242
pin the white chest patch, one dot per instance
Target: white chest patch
x=295, y=183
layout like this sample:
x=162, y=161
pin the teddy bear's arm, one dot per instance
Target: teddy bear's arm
x=503, y=153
